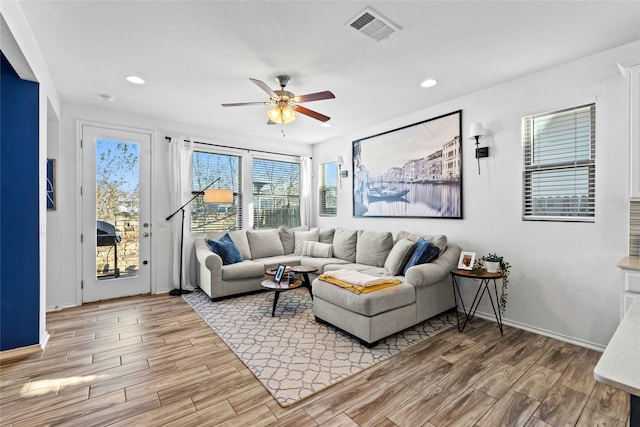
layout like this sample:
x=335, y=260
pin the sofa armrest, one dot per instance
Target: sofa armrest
x=209, y=267
x=436, y=271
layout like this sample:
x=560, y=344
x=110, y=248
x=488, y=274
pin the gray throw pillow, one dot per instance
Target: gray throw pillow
x=326, y=235
x=304, y=236
x=373, y=247
x=239, y=238
x=287, y=237
x=317, y=249
x=344, y=244
x=398, y=257
x=440, y=240
x=264, y=243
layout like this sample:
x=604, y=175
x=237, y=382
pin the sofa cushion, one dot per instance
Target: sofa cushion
x=226, y=249
x=317, y=249
x=300, y=237
x=326, y=235
x=399, y=256
x=425, y=252
x=287, y=237
x=440, y=240
x=239, y=237
x=322, y=263
x=369, y=304
x=264, y=243
x=243, y=270
x=373, y=247
x=275, y=261
x=344, y=244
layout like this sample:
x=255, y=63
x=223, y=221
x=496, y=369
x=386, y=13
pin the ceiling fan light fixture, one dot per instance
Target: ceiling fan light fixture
x=280, y=114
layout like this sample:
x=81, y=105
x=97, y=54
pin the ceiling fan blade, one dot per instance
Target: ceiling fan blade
x=271, y=122
x=315, y=96
x=262, y=85
x=241, y=104
x=311, y=113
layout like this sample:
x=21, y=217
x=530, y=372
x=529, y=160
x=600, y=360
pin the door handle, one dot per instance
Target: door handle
x=145, y=234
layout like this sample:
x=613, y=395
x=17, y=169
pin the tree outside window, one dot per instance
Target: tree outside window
x=206, y=168
x=276, y=193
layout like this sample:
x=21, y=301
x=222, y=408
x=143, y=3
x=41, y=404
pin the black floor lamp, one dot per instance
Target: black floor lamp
x=210, y=196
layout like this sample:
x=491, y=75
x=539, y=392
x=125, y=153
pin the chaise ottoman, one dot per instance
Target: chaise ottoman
x=369, y=316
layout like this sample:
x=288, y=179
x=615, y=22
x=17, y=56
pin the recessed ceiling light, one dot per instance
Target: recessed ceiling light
x=429, y=83
x=325, y=125
x=135, y=80
x=106, y=97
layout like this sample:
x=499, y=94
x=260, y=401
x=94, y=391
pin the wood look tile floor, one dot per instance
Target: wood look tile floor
x=152, y=361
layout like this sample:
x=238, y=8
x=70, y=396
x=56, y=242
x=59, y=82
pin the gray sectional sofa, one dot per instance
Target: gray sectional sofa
x=425, y=289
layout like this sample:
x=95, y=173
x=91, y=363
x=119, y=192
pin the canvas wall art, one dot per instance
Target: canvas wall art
x=413, y=171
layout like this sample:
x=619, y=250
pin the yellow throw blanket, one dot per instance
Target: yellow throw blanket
x=357, y=282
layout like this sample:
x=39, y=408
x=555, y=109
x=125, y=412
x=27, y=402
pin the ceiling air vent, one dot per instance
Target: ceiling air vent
x=372, y=25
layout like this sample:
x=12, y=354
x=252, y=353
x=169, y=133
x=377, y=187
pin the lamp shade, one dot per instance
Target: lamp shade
x=476, y=129
x=218, y=196
x=340, y=161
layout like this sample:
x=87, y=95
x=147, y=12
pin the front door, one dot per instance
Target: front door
x=116, y=230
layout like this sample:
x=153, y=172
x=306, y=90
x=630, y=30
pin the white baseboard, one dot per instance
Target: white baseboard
x=60, y=307
x=560, y=337
x=44, y=339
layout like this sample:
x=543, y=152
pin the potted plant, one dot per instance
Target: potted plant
x=503, y=267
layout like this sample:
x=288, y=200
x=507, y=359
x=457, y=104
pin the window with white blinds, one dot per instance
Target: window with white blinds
x=634, y=228
x=328, y=197
x=206, y=168
x=276, y=193
x=559, y=174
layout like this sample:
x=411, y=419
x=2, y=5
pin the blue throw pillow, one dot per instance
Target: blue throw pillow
x=226, y=249
x=425, y=252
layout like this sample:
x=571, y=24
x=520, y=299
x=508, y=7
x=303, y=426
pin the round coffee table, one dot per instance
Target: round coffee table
x=305, y=270
x=297, y=269
x=279, y=287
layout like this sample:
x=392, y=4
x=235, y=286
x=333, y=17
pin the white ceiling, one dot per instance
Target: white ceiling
x=196, y=55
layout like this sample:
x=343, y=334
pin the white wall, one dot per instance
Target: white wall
x=564, y=279
x=66, y=291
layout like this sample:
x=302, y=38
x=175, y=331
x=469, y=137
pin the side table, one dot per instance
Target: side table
x=485, y=279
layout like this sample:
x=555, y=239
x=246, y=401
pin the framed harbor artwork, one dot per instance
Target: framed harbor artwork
x=414, y=171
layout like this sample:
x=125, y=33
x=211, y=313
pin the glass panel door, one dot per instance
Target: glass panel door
x=116, y=229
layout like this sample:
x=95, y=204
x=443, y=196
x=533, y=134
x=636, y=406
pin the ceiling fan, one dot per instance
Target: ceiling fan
x=285, y=104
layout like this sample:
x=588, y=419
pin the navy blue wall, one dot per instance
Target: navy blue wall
x=19, y=197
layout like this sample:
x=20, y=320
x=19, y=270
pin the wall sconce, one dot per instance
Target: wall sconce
x=476, y=132
x=341, y=173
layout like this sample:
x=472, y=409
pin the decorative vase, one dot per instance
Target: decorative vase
x=492, y=266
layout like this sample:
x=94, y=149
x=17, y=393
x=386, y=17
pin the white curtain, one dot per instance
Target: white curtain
x=306, y=178
x=180, y=157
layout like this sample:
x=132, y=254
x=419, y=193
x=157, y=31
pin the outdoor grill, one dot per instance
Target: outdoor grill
x=106, y=236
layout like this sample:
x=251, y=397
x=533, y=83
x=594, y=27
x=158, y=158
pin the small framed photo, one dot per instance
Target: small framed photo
x=279, y=272
x=466, y=261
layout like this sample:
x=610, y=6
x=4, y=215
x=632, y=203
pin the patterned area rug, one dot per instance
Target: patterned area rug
x=291, y=354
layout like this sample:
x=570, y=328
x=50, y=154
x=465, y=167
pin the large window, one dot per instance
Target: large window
x=206, y=168
x=328, y=203
x=559, y=165
x=276, y=193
